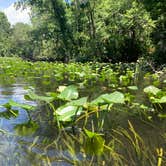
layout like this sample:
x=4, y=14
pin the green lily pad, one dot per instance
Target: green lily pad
x=66, y=113
x=112, y=98
x=161, y=100
x=32, y=96
x=115, y=97
x=80, y=102
x=100, y=100
x=151, y=90
x=12, y=103
x=132, y=87
x=69, y=93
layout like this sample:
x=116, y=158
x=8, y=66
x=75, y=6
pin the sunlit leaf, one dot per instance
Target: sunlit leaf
x=132, y=87
x=161, y=100
x=32, y=96
x=151, y=90
x=80, y=102
x=115, y=97
x=100, y=100
x=69, y=93
x=66, y=113
x=61, y=88
x=24, y=106
x=162, y=115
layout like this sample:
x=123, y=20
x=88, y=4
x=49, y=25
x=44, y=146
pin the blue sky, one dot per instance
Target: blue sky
x=6, y=3
x=13, y=15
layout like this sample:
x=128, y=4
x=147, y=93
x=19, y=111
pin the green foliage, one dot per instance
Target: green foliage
x=151, y=90
x=4, y=35
x=88, y=127
x=158, y=14
x=32, y=96
x=26, y=129
x=94, y=143
x=90, y=30
x=124, y=27
x=69, y=93
x=21, y=41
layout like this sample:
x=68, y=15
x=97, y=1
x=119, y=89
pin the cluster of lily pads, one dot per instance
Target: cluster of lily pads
x=75, y=108
x=121, y=88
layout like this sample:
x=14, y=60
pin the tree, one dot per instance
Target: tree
x=5, y=32
x=54, y=12
x=88, y=30
x=124, y=29
x=21, y=40
x=157, y=10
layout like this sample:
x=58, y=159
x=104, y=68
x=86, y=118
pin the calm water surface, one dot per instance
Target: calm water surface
x=26, y=142
x=23, y=145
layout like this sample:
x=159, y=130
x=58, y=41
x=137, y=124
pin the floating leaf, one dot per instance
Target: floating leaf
x=151, y=90
x=80, y=102
x=132, y=87
x=12, y=103
x=69, y=93
x=66, y=113
x=100, y=100
x=115, y=97
x=161, y=100
x=32, y=96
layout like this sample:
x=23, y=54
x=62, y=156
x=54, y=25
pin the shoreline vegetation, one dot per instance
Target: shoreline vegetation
x=90, y=113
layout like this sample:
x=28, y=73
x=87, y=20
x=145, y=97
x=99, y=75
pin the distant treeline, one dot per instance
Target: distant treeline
x=88, y=30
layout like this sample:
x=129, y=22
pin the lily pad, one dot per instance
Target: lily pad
x=12, y=103
x=80, y=102
x=32, y=96
x=161, y=100
x=115, y=97
x=132, y=87
x=66, y=113
x=151, y=90
x=69, y=93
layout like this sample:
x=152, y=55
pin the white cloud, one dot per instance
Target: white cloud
x=15, y=16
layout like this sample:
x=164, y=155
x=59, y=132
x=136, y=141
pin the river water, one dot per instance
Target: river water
x=29, y=142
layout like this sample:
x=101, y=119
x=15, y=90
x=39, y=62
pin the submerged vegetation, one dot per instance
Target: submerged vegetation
x=93, y=113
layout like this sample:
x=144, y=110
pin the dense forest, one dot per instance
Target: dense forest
x=88, y=30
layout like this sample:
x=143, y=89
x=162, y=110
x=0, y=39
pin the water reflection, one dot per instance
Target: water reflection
x=27, y=134
x=16, y=93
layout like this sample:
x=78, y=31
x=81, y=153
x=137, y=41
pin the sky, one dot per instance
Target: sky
x=13, y=15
